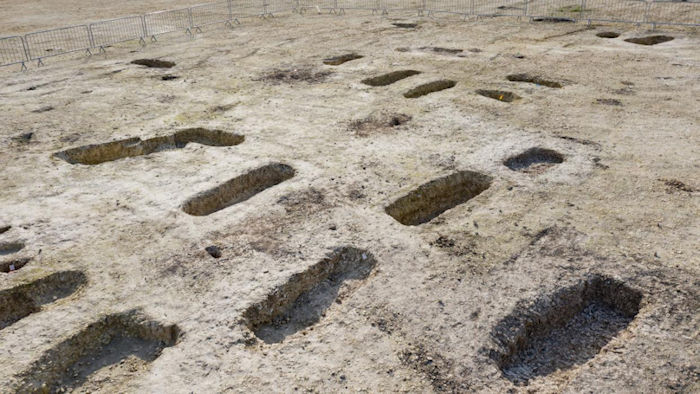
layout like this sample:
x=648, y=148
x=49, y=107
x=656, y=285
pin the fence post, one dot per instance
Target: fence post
x=145, y=29
x=230, y=10
x=472, y=8
x=526, y=10
x=27, y=55
x=91, y=38
x=583, y=8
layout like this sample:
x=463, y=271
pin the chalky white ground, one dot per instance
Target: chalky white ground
x=121, y=223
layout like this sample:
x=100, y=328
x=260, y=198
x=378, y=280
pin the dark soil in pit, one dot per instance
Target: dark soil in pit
x=306, y=296
x=430, y=87
x=389, y=78
x=153, y=63
x=21, y=301
x=500, y=95
x=214, y=251
x=132, y=147
x=563, y=330
x=533, y=79
x=10, y=248
x=431, y=199
x=295, y=74
x=649, y=40
x=105, y=354
x=4, y=229
x=13, y=265
x=169, y=77
x=238, y=189
x=552, y=19
x=405, y=25
x=534, y=160
x=377, y=124
x=608, y=34
x=338, y=60
x=447, y=51
x=674, y=185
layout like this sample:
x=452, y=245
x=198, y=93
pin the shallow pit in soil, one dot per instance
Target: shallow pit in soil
x=534, y=160
x=102, y=356
x=4, y=229
x=153, y=63
x=430, y=87
x=389, y=78
x=10, y=248
x=563, y=330
x=132, y=147
x=649, y=40
x=22, y=300
x=377, y=123
x=13, y=265
x=237, y=189
x=537, y=80
x=608, y=34
x=500, y=95
x=338, y=60
x=405, y=25
x=303, y=299
x=553, y=19
x=431, y=199
x=293, y=75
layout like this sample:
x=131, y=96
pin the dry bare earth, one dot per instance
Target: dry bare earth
x=594, y=258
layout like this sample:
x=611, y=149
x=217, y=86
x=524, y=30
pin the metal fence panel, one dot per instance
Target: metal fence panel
x=272, y=6
x=500, y=7
x=117, y=30
x=631, y=11
x=247, y=8
x=357, y=4
x=401, y=5
x=209, y=14
x=12, y=51
x=674, y=13
x=55, y=42
x=452, y=6
x=161, y=22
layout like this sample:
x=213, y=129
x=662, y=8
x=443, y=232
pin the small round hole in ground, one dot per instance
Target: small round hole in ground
x=500, y=95
x=153, y=63
x=649, y=40
x=534, y=160
x=169, y=77
x=608, y=34
x=214, y=251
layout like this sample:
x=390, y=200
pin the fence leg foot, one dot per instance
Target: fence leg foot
x=142, y=41
x=154, y=39
x=102, y=49
x=197, y=29
x=342, y=11
x=88, y=52
x=24, y=67
x=39, y=62
x=385, y=12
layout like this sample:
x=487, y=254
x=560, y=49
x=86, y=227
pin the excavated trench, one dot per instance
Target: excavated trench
x=338, y=60
x=534, y=160
x=389, y=78
x=107, y=353
x=21, y=301
x=303, y=300
x=430, y=87
x=500, y=95
x=537, y=80
x=649, y=40
x=10, y=248
x=563, y=330
x=431, y=199
x=153, y=63
x=132, y=147
x=237, y=189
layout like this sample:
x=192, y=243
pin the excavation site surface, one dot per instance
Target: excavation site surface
x=351, y=202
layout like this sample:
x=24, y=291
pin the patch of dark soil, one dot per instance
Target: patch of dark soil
x=153, y=63
x=169, y=77
x=132, y=147
x=649, y=40
x=553, y=19
x=10, y=248
x=533, y=79
x=338, y=60
x=579, y=140
x=608, y=101
x=21, y=301
x=13, y=265
x=405, y=25
x=403, y=49
x=443, y=242
x=214, y=251
x=434, y=367
x=302, y=201
x=238, y=189
x=534, y=160
x=430, y=87
x=46, y=108
x=293, y=75
x=608, y=34
x=674, y=185
x=102, y=356
x=376, y=124
x=563, y=330
x=431, y=199
x=303, y=300
x=389, y=78
x=500, y=95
